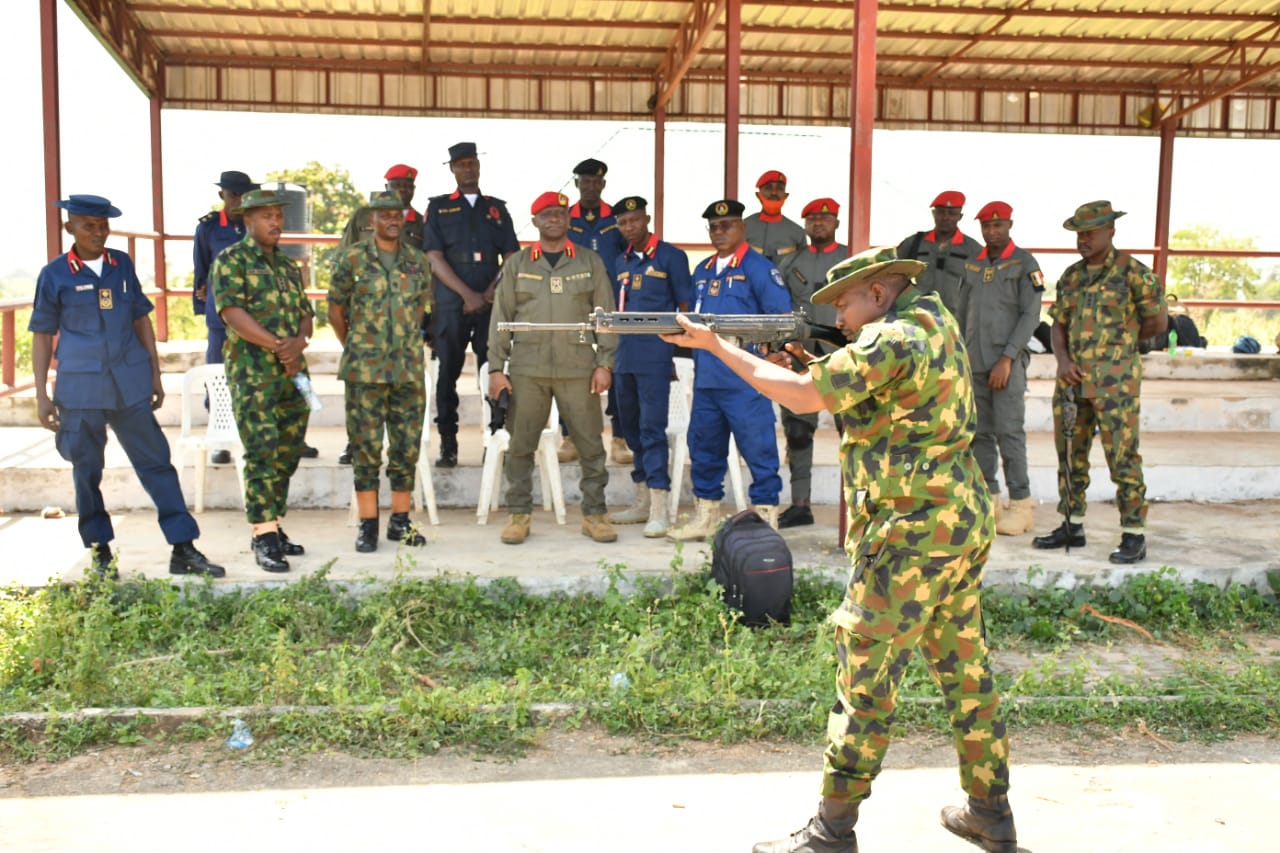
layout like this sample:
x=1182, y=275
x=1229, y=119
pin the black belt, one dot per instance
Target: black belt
x=471, y=258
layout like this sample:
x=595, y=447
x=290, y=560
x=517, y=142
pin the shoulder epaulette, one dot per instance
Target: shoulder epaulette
x=209, y=217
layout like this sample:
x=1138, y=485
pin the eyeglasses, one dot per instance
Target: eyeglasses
x=722, y=225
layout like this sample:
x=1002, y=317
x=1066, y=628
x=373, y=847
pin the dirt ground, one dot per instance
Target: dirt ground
x=585, y=753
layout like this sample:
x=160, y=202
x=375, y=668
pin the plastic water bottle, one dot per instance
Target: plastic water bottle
x=303, y=383
x=1173, y=341
x=241, y=737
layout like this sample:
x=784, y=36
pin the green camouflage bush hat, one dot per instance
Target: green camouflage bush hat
x=385, y=200
x=865, y=266
x=1093, y=215
x=259, y=198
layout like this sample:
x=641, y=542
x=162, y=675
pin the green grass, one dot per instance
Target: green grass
x=407, y=666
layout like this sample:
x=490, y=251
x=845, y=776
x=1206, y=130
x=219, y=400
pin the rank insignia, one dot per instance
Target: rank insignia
x=104, y=299
x=557, y=284
x=636, y=280
x=988, y=275
x=714, y=289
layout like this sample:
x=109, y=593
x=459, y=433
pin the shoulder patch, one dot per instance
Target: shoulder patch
x=1037, y=279
x=1149, y=279
x=209, y=217
x=777, y=278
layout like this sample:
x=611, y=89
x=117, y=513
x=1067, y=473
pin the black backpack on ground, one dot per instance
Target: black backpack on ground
x=752, y=562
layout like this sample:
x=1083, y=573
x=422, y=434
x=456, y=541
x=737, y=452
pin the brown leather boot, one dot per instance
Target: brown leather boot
x=985, y=821
x=598, y=528
x=830, y=831
x=517, y=529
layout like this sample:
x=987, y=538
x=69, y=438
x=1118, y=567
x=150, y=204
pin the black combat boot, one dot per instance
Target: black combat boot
x=1133, y=547
x=986, y=821
x=186, y=560
x=401, y=529
x=1067, y=534
x=830, y=831
x=367, y=540
x=448, y=452
x=290, y=548
x=269, y=553
x=796, y=515
x=344, y=458
x=102, y=562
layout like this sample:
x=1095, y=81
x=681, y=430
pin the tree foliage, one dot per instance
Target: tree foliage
x=333, y=199
x=1211, y=277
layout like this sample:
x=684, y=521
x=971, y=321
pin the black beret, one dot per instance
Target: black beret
x=629, y=204
x=724, y=207
x=591, y=166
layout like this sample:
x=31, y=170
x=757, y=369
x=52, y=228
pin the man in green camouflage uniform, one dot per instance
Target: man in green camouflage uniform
x=1106, y=303
x=920, y=529
x=552, y=281
x=379, y=292
x=260, y=297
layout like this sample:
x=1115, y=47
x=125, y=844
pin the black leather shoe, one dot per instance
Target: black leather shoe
x=309, y=452
x=344, y=458
x=1065, y=535
x=220, y=457
x=448, y=452
x=186, y=560
x=401, y=529
x=367, y=540
x=269, y=553
x=1133, y=547
x=289, y=547
x=101, y=562
x=795, y=516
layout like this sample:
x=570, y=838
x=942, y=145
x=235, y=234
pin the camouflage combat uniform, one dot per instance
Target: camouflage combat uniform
x=270, y=412
x=546, y=365
x=382, y=361
x=1102, y=310
x=920, y=529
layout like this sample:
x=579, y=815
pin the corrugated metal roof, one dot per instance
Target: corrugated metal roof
x=1042, y=65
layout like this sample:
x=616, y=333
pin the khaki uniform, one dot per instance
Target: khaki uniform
x=270, y=412
x=1000, y=311
x=1102, y=310
x=920, y=522
x=382, y=362
x=775, y=240
x=547, y=365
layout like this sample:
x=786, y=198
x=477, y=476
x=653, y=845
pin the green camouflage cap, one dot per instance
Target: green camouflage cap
x=385, y=200
x=1093, y=215
x=865, y=266
x=259, y=198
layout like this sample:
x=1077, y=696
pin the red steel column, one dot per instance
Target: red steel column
x=52, y=126
x=157, y=221
x=659, y=167
x=732, y=93
x=862, y=118
x=1164, y=190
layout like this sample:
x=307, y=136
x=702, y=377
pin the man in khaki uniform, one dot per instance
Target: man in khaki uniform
x=552, y=281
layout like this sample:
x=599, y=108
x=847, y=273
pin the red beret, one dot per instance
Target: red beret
x=548, y=199
x=995, y=210
x=769, y=177
x=950, y=198
x=821, y=205
x=400, y=170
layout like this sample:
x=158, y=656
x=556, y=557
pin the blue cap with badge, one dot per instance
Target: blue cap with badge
x=88, y=205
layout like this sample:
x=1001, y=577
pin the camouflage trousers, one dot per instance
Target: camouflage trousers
x=898, y=601
x=1116, y=418
x=272, y=418
x=398, y=408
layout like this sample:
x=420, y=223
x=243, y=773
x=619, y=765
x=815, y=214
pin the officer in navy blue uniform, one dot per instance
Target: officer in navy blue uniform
x=735, y=280
x=467, y=237
x=215, y=231
x=108, y=375
x=652, y=275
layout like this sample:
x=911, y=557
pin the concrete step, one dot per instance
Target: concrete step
x=1179, y=466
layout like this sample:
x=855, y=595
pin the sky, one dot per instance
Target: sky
x=105, y=151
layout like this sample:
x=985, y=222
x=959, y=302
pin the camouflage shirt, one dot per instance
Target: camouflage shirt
x=384, y=313
x=904, y=392
x=1103, y=310
x=271, y=291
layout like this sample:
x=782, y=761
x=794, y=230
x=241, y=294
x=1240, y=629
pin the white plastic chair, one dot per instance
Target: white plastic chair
x=424, y=487
x=497, y=444
x=678, y=410
x=221, y=432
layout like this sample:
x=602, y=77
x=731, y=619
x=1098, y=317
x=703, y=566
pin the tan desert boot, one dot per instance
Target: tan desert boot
x=598, y=528
x=657, y=525
x=768, y=513
x=706, y=517
x=1017, y=519
x=517, y=529
x=568, y=451
x=637, y=512
x=620, y=453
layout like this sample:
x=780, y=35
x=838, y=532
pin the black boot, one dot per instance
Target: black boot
x=795, y=515
x=220, y=457
x=269, y=553
x=101, y=562
x=344, y=458
x=1133, y=547
x=401, y=529
x=830, y=831
x=186, y=560
x=986, y=822
x=448, y=452
x=289, y=547
x=1067, y=534
x=367, y=540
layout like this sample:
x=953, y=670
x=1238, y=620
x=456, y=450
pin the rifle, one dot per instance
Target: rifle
x=1069, y=411
x=746, y=328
